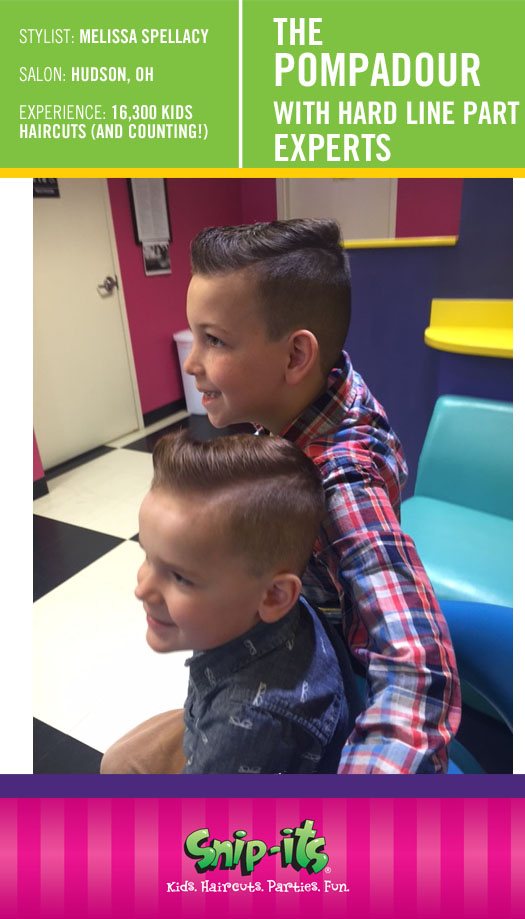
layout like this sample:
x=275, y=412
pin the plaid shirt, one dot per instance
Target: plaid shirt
x=367, y=571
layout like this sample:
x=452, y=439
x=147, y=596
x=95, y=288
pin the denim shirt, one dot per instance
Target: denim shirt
x=273, y=700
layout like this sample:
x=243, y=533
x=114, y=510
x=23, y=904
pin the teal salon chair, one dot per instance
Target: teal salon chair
x=460, y=517
x=482, y=639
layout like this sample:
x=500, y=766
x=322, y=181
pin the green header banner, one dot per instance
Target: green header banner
x=263, y=84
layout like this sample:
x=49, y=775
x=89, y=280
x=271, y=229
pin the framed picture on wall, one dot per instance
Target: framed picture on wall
x=46, y=188
x=156, y=257
x=149, y=209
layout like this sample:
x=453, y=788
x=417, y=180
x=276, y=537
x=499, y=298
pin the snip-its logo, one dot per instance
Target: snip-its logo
x=300, y=848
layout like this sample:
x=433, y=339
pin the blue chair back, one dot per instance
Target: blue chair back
x=467, y=455
x=482, y=639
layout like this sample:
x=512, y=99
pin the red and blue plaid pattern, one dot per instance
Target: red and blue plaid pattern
x=366, y=572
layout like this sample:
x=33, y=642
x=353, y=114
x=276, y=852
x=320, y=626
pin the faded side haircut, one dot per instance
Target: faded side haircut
x=269, y=494
x=301, y=273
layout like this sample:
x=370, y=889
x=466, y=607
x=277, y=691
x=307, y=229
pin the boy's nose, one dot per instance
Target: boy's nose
x=145, y=589
x=192, y=364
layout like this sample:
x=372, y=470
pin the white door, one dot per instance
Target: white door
x=364, y=208
x=85, y=391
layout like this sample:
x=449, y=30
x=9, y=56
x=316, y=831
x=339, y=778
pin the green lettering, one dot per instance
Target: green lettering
x=194, y=849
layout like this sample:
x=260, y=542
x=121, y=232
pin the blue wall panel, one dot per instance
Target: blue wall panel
x=391, y=294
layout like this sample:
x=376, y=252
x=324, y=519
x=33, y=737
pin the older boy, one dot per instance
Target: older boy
x=269, y=307
x=227, y=527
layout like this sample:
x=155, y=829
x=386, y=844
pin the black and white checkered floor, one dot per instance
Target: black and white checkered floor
x=95, y=676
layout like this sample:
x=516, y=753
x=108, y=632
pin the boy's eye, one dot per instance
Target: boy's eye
x=180, y=580
x=213, y=341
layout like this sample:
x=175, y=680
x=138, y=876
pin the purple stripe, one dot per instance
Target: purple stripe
x=262, y=786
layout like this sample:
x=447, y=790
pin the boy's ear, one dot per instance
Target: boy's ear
x=303, y=355
x=281, y=595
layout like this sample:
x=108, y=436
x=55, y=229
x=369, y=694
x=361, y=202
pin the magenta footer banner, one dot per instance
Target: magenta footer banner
x=195, y=857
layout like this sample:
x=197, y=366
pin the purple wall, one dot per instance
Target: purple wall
x=392, y=290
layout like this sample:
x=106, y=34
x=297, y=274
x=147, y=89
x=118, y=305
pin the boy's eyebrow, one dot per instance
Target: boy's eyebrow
x=180, y=569
x=213, y=325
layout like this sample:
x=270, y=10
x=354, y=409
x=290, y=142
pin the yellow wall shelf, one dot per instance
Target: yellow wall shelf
x=471, y=327
x=400, y=242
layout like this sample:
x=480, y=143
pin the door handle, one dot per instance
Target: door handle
x=108, y=284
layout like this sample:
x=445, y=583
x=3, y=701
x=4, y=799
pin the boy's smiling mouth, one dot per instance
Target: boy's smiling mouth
x=158, y=624
x=208, y=395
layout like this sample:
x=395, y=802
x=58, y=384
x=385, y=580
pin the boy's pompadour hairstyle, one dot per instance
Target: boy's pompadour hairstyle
x=301, y=271
x=269, y=494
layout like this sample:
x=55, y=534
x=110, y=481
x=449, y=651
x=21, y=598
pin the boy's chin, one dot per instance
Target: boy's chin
x=219, y=420
x=160, y=645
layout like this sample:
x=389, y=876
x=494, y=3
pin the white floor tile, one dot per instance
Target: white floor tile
x=103, y=495
x=95, y=676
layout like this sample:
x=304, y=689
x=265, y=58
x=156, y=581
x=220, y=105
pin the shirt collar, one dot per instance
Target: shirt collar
x=209, y=668
x=329, y=409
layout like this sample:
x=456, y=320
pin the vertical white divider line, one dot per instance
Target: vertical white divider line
x=240, y=85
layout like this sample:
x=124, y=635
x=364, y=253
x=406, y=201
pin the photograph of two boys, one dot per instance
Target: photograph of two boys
x=326, y=531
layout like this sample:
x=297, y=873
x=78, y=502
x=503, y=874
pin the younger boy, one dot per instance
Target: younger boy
x=227, y=527
x=269, y=307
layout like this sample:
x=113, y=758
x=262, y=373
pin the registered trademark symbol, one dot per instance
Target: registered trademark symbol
x=328, y=870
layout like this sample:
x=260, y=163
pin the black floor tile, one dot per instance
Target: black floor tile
x=199, y=427
x=61, y=550
x=57, y=753
x=40, y=489
x=164, y=412
x=77, y=461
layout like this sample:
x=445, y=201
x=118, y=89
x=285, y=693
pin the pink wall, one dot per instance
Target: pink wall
x=156, y=305
x=38, y=471
x=428, y=207
x=258, y=200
